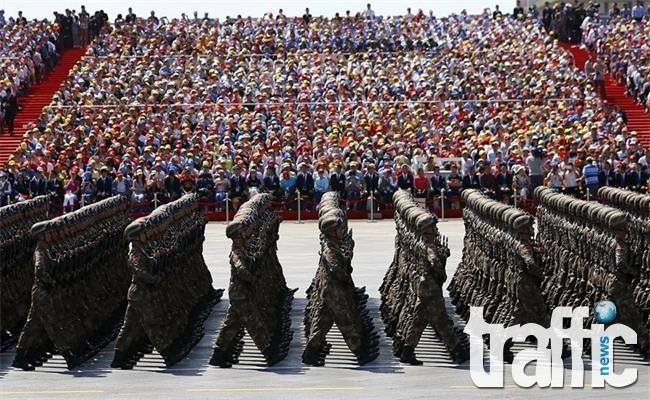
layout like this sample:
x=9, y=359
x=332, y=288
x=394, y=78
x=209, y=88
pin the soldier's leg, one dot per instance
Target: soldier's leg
x=418, y=321
x=130, y=340
x=33, y=343
x=628, y=314
x=315, y=348
x=228, y=333
x=442, y=323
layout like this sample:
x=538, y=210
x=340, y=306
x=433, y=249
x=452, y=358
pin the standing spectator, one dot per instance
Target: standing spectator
x=121, y=185
x=337, y=180
x=173, y=189
x=438, y=184
x=253, y=182
x=471, y=180
x=130, y=17
x=221, y=189
x=354, y=185
x=305, y=185
x=606, y=177
x=139, y=187
x=599, y=78
x=5, y=189
x=405, y=178
x=321, y=184
x=554, y=178
x=104, y=184
x=71, y=189
x=371, y=180
x=55, y=188
x=10, y=108
x=535, y=164
x=237, y=188
x=638, y=12
x=638, y=178
x=288, y=185
x=84, y=19
x=38, y=183
x=521, y=184
x=421, y=184
x=590, y=176
x=205, y=184
x=570, y=179
x=387, y=186
x=488, y=181
x=271, y=183
x=503, y=182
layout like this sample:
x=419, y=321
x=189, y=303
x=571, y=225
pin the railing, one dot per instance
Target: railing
x=294, y=206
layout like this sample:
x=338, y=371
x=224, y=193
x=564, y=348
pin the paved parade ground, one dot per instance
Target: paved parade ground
x=385, y=378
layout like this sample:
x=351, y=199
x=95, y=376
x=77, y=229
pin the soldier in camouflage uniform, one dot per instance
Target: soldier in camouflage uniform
x=333, y=298
x=411, y=292
x=17, y=265
x=582, y=272
x=260, y=301
x=81, y=279
x=171, y=293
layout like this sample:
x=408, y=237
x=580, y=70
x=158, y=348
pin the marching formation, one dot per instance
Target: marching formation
x=171, y=293
x=79, y=269
x=260, y=301
x=500, y=270
x=81, y=278
x=411, y=293
x=332, y=296
x=17, y=266
x=638, y=207
x=586, y=257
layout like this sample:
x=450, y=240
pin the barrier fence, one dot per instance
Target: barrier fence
x=299, y=208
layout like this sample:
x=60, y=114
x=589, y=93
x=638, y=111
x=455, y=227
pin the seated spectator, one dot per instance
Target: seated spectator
x=238, y=188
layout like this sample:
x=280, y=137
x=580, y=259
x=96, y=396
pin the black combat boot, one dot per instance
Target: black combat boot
x=220, y=359
x=408, y=356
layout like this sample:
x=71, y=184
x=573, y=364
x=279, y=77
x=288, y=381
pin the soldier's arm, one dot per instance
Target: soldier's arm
x=239, y=267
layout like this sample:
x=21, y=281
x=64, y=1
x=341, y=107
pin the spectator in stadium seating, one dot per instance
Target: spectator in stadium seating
x=172, y=185
x=321, y=184
x=38, y=183
x=472, y=179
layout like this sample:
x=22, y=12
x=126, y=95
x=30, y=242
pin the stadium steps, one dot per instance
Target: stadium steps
x=637, y=119
x=39, y=96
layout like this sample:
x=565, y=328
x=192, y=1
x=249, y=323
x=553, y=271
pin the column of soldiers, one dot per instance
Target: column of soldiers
x=171, y=292
x=499, y=269
x=585, y=247
x=638, y=207
x=17, y=265
x=260, y=301
x=80, y=282
x=332, y=296
x=411, y=292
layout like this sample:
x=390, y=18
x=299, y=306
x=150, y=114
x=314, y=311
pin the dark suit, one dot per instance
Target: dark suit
x=337, y=182
x=371, y=182
x=305, y=184
x=471, y=182
x=437, y=184
x=103, y=187
x=237, y=186
x=504, y=184
x=405, y=181
x=606, y=178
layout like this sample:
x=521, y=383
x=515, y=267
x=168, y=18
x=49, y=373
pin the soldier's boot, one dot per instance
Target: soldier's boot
x=408, y=356
x=508, y=356
x=121, y=360
x=21, y=362
x=313, y=356
x=366, y=353
x=460, y=354
x=220, y=359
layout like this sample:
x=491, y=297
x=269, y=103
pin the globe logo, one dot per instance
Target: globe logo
x=605, y=312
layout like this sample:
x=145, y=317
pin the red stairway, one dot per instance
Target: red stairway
x=39, y=96
x=637, y=119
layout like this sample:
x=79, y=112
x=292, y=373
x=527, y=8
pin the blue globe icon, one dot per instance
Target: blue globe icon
x=605, y=312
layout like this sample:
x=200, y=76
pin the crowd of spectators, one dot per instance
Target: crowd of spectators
x=27, y=50
x=622, y=43
x=359, y=104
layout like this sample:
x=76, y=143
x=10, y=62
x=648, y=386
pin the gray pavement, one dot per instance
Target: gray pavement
x=340, y=378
